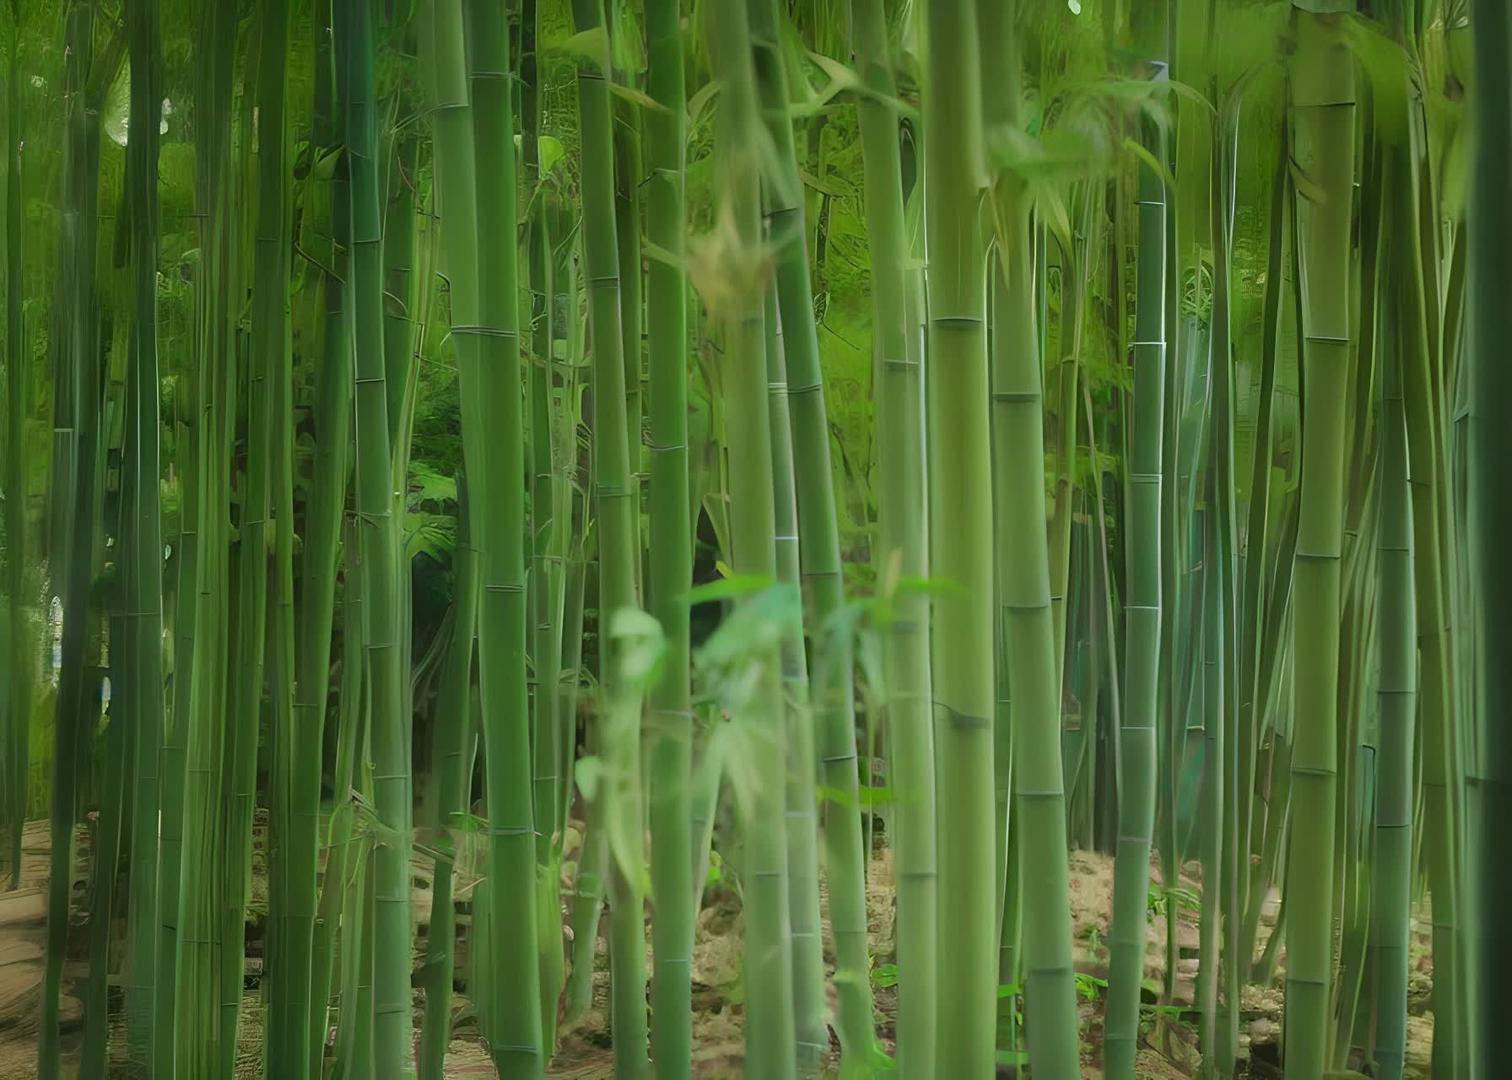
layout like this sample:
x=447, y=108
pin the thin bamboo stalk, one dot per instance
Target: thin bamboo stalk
x=801, y=820
x=770, y=1035
x=1391, y=879
x=20, y=661
x=903, y=554
x=76, y=425
x=1137, y=767
x=670, y=568
x=834, y=683
x=449, y=788
x=614, y=494
x=379, y=540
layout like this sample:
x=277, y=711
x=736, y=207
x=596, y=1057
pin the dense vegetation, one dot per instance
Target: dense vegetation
x=475, y=471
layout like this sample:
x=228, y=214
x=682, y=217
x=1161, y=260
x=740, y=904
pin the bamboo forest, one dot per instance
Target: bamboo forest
x=755, y=538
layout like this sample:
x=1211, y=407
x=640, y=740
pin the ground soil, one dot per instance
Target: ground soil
x=585, y=1051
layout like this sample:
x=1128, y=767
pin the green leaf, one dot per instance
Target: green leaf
x=590, y=44
x=1153, y=163
x=636, y=97
x=1391, y=74
x=587, y=772
x=550, y=151
x=728, y=587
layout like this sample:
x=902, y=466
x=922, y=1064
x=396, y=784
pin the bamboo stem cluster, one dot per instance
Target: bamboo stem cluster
x=857, y=466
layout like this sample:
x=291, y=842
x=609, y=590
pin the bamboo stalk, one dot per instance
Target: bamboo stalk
x=960, y=531
x=834, y=684
x=1138, y=759
x=20, y=662
x=449, y=785
x=1391, y=881
x=1322, y=116
x=76, y=427
x=1024, y=575
x=378, y=538
x=770, y=1035
x=670, y=568
x=514, y=1024
x=143, y=539
x=1492, y=228
x=903, y=549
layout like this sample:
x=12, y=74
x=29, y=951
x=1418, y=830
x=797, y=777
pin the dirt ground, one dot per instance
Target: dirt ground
x=584, y=1051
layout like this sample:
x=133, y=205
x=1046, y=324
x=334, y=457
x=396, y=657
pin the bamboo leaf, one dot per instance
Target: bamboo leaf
x=636, y=97
x=591, y=44
x=1151, y=162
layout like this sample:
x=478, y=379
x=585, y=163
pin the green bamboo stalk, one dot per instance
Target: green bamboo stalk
x=267, y=359
x=279, y=993
x=449, y=794
x=304, y=1019
x=960, y=531
x=587, y=905
x=615, y=514
x=770, y=1036
x=20, y=659
x=284, y=987
x=571, y=494
x=334, y=917
x=1491, y=230
x=1442, y=768
x=1214, y=776
x=629, y=173
x=1391, y=882
x=378, y=537
x=903, y=549
x=497, y=456
x=115, y=683
x=670, y=567
x=1322, y=118
x=1142, y=619
x=1063, y=381
x=107, y=853
x=1259, y=617
x=75, y=424
x=834, y=686
x=549, y=538
x=143, y=593
x=346, y=907
x=1224, y=566
x=586, y=910
x=1024, y=584
x=399, y=177
x=188, y=1018
x=801, y=821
